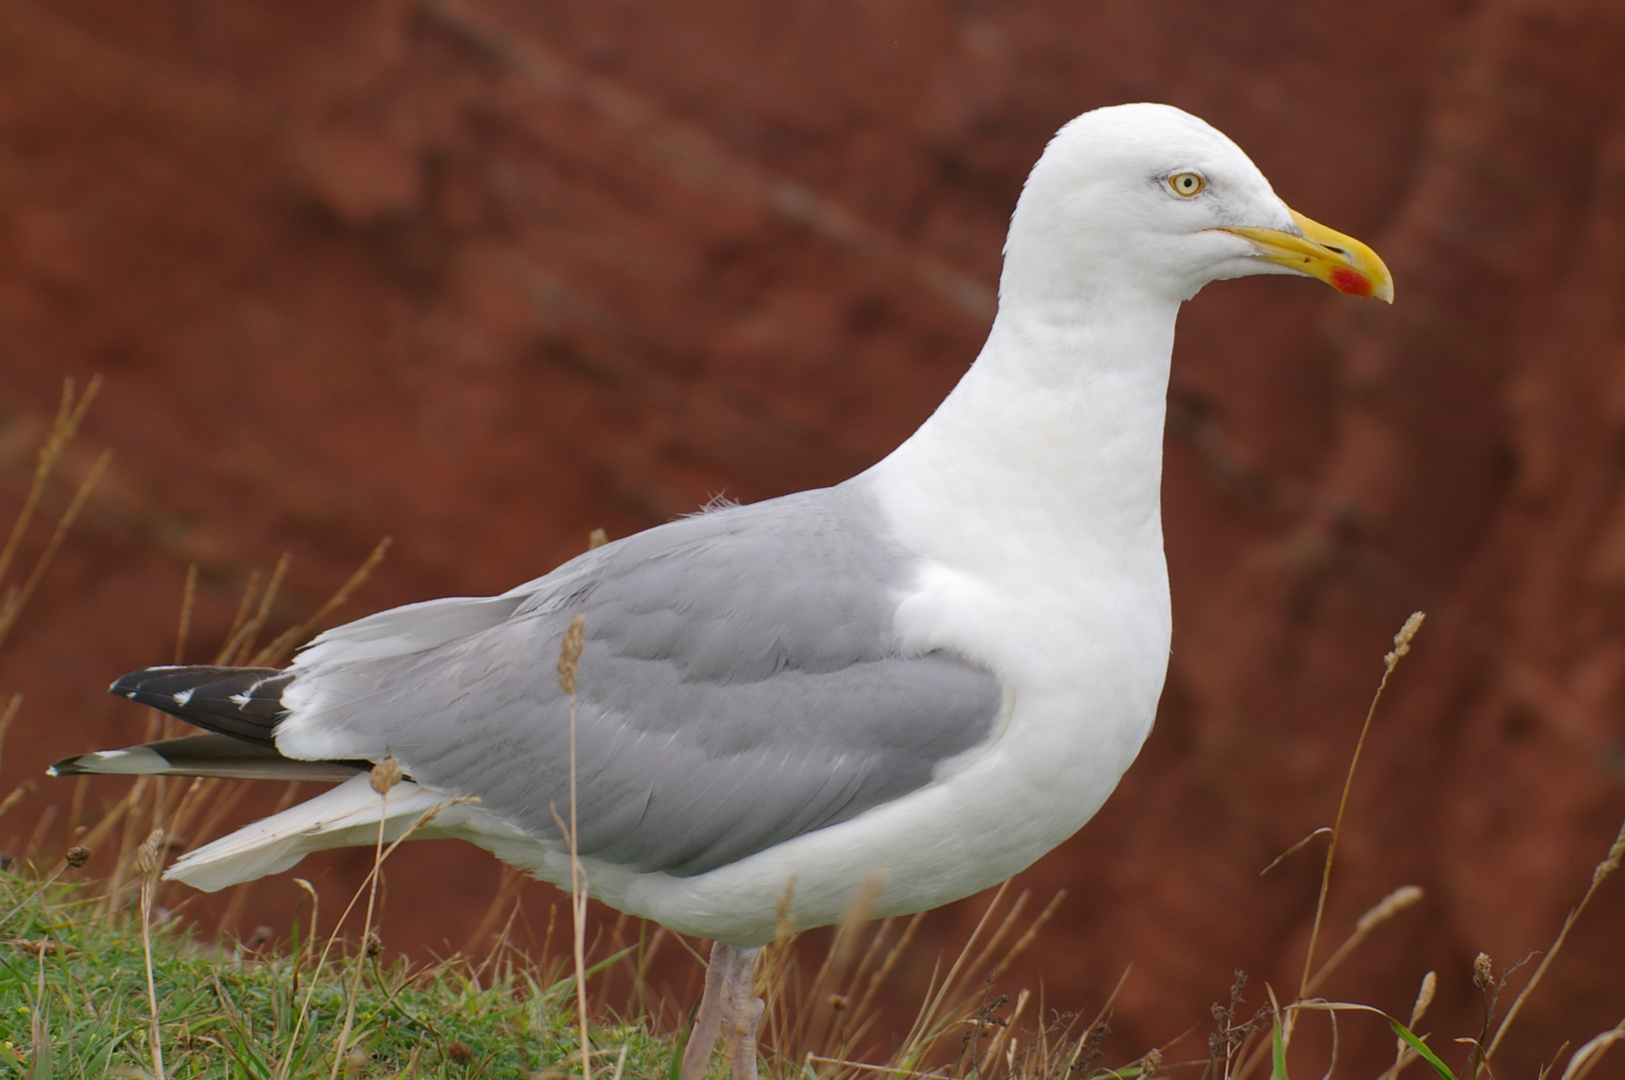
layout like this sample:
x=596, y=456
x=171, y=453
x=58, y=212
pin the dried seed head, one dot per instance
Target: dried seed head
x=837, y=1002
x=1089, y=1050
x=77, y=856
x=386, y=774
x=373, y=946
x=1402, y=640
x=1424, y=998
x=147, y=855
x=460, y=1052
x=1483, y=971
x=1611, y=863
x=1389, y=906
x=570, y=654
x=1151, y=1062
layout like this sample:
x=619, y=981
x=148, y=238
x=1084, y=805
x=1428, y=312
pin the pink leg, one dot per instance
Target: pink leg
x=728, y=1008
x=741, y=1040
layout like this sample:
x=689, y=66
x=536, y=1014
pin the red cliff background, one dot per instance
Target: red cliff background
x=485, y=274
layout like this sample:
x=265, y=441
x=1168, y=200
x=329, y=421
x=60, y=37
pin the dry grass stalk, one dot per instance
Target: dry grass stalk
x=1030, y=934
x=1383, y=910
x=283, y=1069
x=110, y=820
x=569, y=666
x=17, y=597
x=252, y=611
x=240, y=645
x=18, y=794
x=1610, y=863
x=1402, y=646
x=1588, y=1056
x=1401, y=898
x=503, y=903
x=887, y=965
x=1324, y=830
x=771, y=971
x=1581, y=1063
x=70, y=413
x=385, y=775
x=7, y=715
x=926, y=1021
x=274, y=652
x=996, y=1044
x=149, y=860
x=239, y=620
x=183, y=629
x=819, y=1016
x=984, y=959
x=497, y=956
x=853, y=919
x=160, y=724
x=123, y=813
x=76, y=805
x=306, y=954
x=957, y=1000
x=887, y=1070
x=42, y=829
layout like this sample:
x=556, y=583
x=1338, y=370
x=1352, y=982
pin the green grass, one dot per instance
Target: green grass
x=224, y=1013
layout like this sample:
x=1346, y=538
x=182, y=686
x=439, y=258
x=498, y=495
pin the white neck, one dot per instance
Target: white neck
x=1055, y=432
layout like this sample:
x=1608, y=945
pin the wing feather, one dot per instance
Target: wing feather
x=740, y=684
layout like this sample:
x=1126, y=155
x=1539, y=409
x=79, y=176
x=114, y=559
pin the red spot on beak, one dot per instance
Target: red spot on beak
x=1347, y=281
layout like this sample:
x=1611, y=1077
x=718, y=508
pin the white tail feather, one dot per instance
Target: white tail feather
x=346, y=816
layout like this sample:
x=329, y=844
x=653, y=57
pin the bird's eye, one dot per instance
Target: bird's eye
x=1187, y=184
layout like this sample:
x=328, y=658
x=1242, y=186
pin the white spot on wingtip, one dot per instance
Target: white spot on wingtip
x=183, y=696
x=239, y=700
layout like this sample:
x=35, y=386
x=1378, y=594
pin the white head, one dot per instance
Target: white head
x=1150, y=199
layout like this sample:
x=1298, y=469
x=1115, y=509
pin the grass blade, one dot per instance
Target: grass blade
x=1277, y=1050
x=1421, y=1049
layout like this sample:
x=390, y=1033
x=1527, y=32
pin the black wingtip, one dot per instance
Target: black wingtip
x=244, y=702
x=68, y=766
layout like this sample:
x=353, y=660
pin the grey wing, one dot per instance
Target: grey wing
x=739, y=685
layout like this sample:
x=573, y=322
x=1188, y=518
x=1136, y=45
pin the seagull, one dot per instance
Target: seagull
x=907, y=686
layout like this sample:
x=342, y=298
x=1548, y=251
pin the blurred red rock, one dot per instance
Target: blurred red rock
x=483, y=275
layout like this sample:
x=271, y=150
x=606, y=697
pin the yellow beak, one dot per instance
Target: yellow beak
x=1340, y=261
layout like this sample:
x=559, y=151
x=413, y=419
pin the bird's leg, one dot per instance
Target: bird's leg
x=702, y=1038
x=740, y=1036
x=727, y=1007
